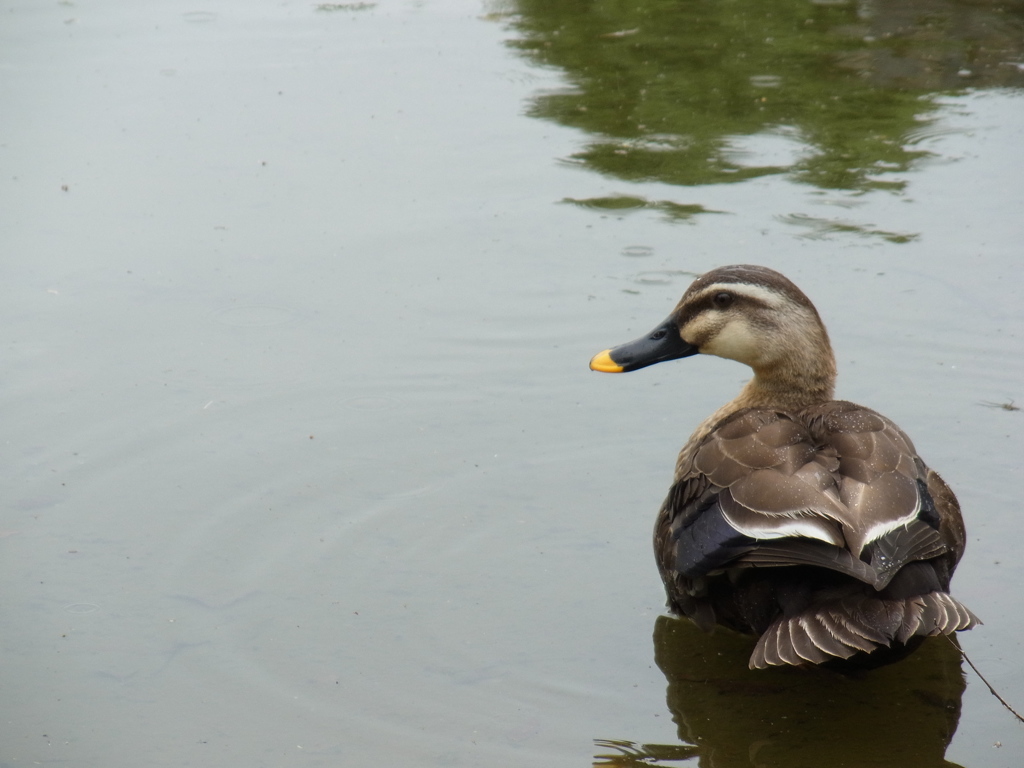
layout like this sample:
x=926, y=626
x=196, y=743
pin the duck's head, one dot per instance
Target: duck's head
x=746, y=313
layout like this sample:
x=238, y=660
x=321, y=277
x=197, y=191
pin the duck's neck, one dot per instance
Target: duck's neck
x=788, y=388
x=803, y=380
x=795, y=373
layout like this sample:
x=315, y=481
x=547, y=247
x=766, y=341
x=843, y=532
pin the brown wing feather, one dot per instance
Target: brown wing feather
x=951, y=522
x=775, y=474
x=835, y=488
x=858, y=625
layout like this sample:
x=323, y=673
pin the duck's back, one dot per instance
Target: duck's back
x=819, y=529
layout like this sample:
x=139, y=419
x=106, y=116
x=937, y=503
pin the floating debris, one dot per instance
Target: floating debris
x=1004, y=406
x=345, y=6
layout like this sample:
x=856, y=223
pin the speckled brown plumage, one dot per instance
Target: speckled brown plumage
x=809, y=522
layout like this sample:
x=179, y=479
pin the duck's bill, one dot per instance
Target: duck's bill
x=661, y=344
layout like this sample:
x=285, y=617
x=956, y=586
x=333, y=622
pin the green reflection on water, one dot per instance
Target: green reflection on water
x=836, y=94
x=625, y=203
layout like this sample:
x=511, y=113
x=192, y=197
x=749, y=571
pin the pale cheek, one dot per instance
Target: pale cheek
x=734, y=342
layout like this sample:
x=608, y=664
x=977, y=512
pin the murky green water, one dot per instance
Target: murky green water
x=837, y=95
x=304, y=464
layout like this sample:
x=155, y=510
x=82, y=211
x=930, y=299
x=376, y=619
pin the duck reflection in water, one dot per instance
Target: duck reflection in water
x=899, y=716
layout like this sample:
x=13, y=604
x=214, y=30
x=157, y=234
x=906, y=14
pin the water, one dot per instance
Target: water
x=304, y=462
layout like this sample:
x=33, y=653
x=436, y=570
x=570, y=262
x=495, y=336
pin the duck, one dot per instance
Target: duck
x=809, y=523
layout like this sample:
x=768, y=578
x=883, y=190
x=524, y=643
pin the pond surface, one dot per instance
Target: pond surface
x=303, y=461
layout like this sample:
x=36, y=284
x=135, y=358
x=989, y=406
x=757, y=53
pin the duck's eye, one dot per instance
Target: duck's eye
x=722, y=300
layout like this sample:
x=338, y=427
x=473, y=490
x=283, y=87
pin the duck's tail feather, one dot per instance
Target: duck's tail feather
x=857, y=624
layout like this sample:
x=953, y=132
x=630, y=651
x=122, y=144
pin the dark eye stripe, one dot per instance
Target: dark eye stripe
x=708, y=300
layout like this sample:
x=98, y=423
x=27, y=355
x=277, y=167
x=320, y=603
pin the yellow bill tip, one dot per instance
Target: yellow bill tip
x=603, y=362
